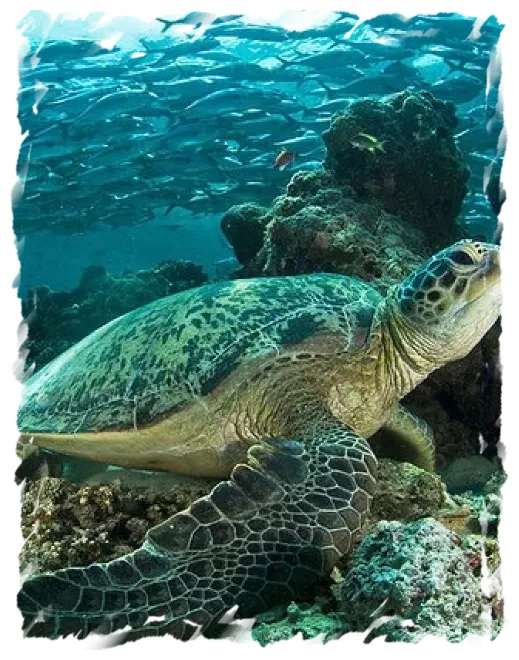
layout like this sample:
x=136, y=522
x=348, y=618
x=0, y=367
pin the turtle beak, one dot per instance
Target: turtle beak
x=490, y=265
x=487, y=279
x=489, y=273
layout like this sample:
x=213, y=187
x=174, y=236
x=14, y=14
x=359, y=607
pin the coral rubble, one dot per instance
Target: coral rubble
x=69, y=524
x=417, y=579
x=285, y=622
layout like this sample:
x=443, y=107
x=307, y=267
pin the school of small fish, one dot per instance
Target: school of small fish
x=215, y=111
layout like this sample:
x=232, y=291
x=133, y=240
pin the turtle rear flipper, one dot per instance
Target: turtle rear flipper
x=279, y=523
x=413, y=439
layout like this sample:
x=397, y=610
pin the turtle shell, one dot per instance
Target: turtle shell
x=153, y=360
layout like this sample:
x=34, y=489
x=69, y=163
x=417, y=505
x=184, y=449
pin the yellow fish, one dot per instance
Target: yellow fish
x=366, y=142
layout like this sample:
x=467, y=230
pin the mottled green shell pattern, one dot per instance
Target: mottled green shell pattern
x=177, y=349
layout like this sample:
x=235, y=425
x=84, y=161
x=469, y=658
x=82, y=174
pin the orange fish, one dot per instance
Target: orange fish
x=284, y=159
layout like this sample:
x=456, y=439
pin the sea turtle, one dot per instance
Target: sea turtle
x=271, y=385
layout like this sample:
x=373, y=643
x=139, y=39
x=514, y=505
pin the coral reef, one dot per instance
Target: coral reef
x=417, y=579
x=373, y=213
x=418, y=173
x=68, y=524
x=57, y=320
x=470, y=473
x=339, y=235
x=243, y=226
x=405, y=492
x=319, y=227
x=285, y=622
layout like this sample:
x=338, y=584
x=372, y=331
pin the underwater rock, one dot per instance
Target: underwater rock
x=405, y=492
x=314, y=240
x=421, y=577
x=476, y=544
x=495, y=482
x=371, y=214
x=319, y=227
x=484, y=508
x=474, y=506
x=418, y=171
x=68, y=524
x=470, y=473
x=244, y=226
x=56, y=320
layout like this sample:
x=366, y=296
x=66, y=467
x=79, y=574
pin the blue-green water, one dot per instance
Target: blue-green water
x=139, y=136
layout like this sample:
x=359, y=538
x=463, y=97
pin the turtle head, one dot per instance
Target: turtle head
x=451, y=301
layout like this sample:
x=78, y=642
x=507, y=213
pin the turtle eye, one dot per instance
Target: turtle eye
x=462, y=258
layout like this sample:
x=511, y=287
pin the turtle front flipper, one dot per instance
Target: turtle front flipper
x=279, y=523
x=414, y=439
